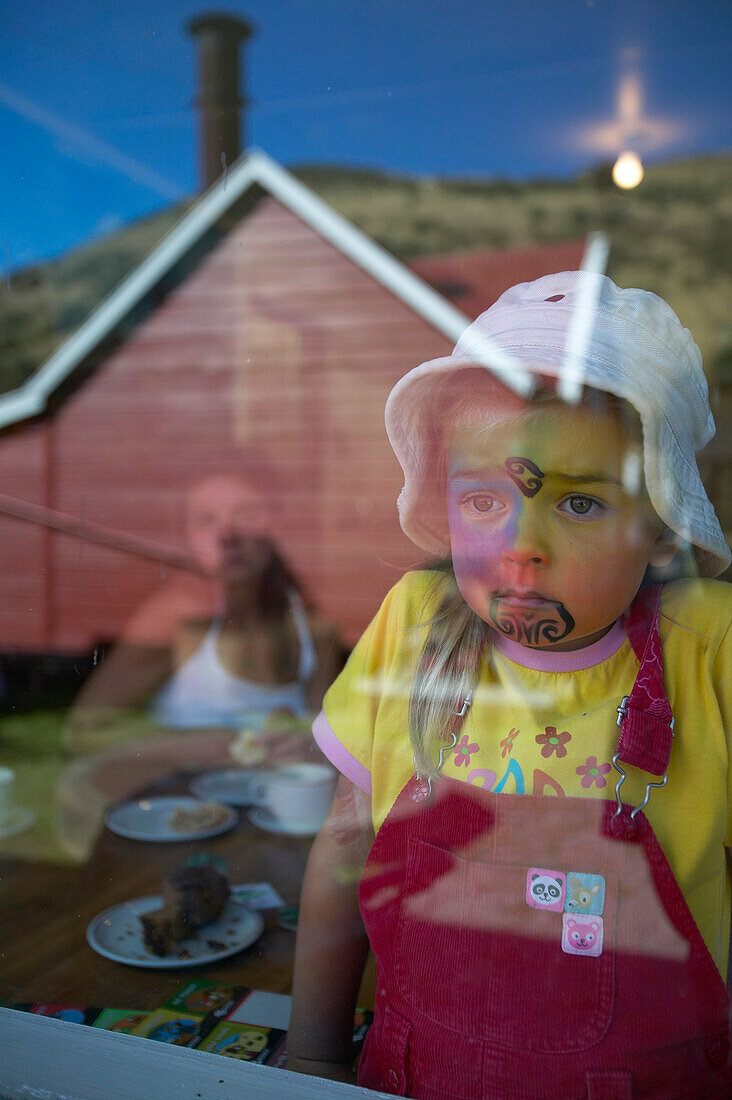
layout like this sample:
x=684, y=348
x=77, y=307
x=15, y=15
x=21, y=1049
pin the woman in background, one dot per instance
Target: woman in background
x=228, y=648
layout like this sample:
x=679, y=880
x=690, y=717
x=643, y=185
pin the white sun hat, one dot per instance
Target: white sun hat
x=581, y=329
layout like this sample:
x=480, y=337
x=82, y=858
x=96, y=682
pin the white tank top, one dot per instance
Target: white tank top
x=202, y=693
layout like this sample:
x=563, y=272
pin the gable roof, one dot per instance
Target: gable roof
x=253, y=169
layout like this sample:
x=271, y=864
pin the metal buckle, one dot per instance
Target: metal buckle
x=443, y=750
x=622, y=712
x=467, y=702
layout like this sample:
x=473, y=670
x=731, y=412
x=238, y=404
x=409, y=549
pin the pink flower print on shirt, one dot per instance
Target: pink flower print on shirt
x=463, y=750
x=507, y=743
x=551, y=741
x=592, y=772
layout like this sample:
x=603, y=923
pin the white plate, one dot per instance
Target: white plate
x=17, y=821
x=232, y=786
x=265, y=819
x=117, y=934
x=149, y=819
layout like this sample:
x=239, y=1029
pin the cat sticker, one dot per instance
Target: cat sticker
x=582, y=935
x=585, y=894
x=545, y=889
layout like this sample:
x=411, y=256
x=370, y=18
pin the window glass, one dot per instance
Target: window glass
x=432, y=721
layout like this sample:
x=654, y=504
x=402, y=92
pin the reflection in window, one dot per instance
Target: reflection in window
x=246, y=701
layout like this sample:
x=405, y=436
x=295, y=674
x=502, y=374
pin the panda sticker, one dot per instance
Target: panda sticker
x=545, y=889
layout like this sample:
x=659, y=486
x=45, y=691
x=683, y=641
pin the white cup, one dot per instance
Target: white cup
x=298, y=795
x=7, y=785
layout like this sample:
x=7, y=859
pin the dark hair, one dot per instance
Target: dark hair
x=277, y=582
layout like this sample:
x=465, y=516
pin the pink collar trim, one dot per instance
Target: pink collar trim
x=546, y=661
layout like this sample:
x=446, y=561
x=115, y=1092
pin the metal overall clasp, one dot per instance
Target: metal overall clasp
x=622, y=713
x=426, y=784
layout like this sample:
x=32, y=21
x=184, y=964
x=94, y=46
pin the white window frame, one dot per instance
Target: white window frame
x=42, y=1058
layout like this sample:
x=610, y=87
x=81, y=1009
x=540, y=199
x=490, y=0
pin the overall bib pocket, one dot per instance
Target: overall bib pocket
x=512, y=981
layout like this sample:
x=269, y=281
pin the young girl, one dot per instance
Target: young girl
x=545, y=922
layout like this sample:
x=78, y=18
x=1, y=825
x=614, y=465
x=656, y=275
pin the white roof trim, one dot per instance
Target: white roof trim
x=255, y=167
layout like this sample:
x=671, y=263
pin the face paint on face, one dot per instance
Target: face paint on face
x=482, y=514
x=545, y=623
x=525, y=474
x=548, y=546
x=480, y=546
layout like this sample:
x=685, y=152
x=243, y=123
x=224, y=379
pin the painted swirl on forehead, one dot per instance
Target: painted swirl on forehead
x=531, y=626
x=525, y=474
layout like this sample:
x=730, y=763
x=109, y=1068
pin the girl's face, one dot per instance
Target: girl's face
x=549, y=540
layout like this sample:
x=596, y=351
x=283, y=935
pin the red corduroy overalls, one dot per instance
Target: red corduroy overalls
x=540, y=947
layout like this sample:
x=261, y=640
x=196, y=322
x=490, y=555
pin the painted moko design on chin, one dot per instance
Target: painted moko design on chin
x=541, y=625
x=525, y=474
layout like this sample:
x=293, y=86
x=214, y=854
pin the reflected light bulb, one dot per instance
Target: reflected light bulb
x=627, y=171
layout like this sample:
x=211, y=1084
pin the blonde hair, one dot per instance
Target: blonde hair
x=446, y=671
x=450, y=661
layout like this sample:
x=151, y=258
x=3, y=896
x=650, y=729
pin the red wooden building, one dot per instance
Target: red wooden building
x=263, y=325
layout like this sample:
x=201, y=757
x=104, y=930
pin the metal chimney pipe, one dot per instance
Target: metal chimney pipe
x=219, y=101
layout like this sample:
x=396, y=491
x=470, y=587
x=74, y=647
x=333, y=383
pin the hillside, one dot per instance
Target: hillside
x=671, y=235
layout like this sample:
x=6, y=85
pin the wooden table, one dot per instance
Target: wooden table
x=45, y=910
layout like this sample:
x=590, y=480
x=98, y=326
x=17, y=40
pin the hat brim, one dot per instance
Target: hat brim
x=422, y=509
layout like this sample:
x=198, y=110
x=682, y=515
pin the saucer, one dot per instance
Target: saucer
x=265, y=819
x=232, y=786
x=18, y=820
x=150, y=819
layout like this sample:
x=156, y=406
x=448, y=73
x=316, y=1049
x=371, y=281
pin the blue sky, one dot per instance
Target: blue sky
x=97, y=124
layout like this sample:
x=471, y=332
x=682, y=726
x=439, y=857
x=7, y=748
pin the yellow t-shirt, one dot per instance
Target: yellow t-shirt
x=554, y=732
